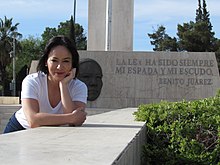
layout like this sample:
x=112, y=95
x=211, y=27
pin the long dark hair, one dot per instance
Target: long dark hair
x=57, y=41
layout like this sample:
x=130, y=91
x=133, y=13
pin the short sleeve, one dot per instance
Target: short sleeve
x=29, y=88
x=78, y=91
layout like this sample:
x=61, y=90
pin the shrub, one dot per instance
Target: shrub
x=182, y=132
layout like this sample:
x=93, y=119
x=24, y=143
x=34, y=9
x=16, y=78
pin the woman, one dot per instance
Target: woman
x=53, y=96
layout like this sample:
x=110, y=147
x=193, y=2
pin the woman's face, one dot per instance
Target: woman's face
x=59, y=63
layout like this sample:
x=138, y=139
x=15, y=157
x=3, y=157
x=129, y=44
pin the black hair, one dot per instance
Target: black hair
x=59, y=40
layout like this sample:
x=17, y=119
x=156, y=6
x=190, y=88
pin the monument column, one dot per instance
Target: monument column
x=110, y=25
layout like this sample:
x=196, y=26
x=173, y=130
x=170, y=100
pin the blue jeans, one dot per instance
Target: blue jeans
x=13, y=125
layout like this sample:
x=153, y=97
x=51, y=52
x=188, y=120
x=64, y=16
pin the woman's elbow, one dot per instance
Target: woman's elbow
x=33, y=123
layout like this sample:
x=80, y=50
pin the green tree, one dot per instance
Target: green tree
x=47, y=34
x=72, y=35
x=64, y=29
x=162, y=41
x=199, y=12
x=31, y=50
x=193, y=36
x=8, y=32
x=198, y=36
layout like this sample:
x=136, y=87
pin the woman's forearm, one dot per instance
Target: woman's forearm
x=46, y=119
x=77, y=118
x=67, y=103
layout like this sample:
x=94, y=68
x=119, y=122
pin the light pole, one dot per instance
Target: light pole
x=72, y=34
x=13, y=83
x=74, y=12
x=108, y=25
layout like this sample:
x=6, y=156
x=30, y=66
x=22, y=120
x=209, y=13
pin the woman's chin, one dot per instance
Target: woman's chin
x=59, y=78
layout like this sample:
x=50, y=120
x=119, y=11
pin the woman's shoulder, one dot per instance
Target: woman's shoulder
x=77, y=82
x=35, y=76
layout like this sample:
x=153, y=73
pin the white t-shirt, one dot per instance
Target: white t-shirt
x=35, y=86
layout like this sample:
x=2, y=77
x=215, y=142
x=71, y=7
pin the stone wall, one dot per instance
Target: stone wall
x=134, y=78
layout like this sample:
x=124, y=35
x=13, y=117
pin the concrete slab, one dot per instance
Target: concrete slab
x=99, y=141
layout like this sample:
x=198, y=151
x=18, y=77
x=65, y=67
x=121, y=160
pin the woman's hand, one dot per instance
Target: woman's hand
x=68, y=104
x=69, y=76
x=78, y=117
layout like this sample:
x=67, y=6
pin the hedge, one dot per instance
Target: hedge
x=184, y=132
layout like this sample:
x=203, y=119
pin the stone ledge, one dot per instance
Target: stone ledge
x=7, y=110
x=109, y=138
x=9, y=100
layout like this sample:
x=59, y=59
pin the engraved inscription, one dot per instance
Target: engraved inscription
x=184, y=72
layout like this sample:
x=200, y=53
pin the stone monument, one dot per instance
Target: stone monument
x=110, y=25
x=133, y=78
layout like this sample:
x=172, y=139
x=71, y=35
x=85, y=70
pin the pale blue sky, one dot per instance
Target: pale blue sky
x=35, y=15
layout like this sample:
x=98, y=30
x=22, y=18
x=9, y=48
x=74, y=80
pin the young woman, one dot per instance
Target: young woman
x=53, y=96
